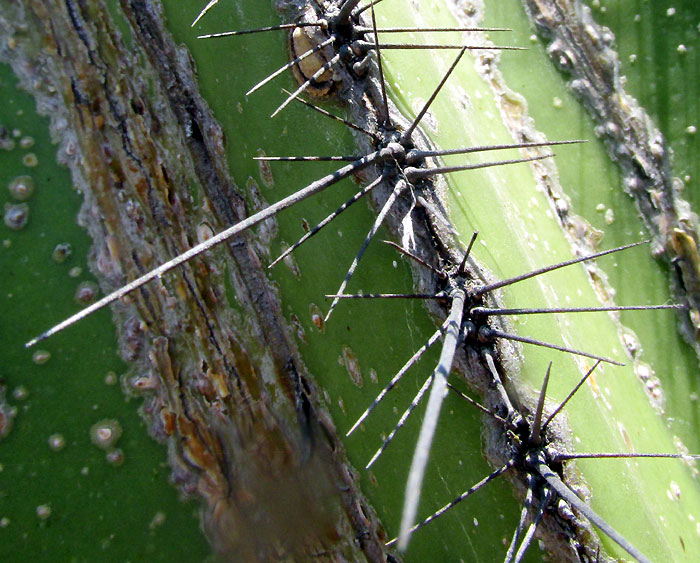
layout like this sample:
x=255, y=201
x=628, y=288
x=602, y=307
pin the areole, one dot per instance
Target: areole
x=302, y=40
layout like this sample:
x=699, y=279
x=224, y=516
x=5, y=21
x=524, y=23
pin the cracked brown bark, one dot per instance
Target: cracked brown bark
x=140, y=141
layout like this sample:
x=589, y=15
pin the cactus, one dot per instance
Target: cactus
x=345, y=357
